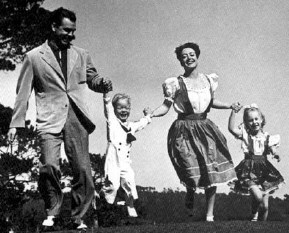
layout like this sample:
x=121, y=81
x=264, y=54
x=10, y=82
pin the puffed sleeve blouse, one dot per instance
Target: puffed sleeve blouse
x=257, y=144
x=199, y=98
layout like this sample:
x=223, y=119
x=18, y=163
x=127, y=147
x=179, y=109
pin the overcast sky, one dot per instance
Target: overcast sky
x=132, y=42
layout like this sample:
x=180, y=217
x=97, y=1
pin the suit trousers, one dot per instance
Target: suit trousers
x=75, y=139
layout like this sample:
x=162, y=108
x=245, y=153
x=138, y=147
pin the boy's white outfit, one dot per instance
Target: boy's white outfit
x=118, y=170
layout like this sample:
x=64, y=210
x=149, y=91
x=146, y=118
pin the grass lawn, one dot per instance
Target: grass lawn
x=218, y=226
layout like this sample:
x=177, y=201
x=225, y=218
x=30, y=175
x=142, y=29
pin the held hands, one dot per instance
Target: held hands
x=236, y=107
x=147, y=111
x=106, y=85
x=277, y=157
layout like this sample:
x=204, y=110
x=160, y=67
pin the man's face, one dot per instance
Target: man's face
x=64, y=33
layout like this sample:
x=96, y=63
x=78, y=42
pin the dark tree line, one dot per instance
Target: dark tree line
x=18, y=169
x=23, y=26
x=19, y=163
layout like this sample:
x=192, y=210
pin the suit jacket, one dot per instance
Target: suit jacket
x=42, y=72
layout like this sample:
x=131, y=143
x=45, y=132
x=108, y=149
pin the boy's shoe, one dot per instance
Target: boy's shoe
x=132, y=212
x=120, y=203
x=51, y=223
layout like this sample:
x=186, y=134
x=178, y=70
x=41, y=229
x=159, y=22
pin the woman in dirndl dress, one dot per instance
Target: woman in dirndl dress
x=197, y=148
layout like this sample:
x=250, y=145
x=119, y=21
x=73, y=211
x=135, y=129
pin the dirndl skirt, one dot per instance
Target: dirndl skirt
x=256, y=170
x=199, y=153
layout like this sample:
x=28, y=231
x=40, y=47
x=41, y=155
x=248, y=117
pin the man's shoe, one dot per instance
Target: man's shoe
x=49, y=221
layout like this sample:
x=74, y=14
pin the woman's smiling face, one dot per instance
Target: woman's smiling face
x=189, y=58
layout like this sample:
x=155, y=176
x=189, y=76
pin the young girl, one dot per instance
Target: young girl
x=256, y=175
x=118, y=170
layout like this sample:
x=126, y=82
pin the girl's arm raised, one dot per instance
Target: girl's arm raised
x=231, y=125
x=162, y=109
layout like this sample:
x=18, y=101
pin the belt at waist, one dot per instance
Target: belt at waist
x=193, y=116
x=255, y=157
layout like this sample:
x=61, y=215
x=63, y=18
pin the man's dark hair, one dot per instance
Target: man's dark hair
x=60, y=13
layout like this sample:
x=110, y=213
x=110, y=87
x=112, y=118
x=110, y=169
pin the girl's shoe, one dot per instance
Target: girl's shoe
x=190, y=212
x=81, y=226
x=77, y=225
x=210, y=218
x=132, y=212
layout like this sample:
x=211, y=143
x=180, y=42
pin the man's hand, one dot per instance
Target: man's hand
x=107, y=85
x=11, y=134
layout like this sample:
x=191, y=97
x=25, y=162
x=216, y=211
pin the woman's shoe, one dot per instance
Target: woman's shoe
x=255, y=217
x=190, y=212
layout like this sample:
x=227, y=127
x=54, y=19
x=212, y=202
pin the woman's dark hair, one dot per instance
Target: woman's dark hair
x=191, y=45
x=246, y=114
x=60, y=13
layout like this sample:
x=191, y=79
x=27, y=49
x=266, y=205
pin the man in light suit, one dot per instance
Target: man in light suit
x=60, y=74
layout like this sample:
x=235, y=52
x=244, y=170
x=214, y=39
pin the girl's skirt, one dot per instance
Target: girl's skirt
x=256, y=170
x=199, y=153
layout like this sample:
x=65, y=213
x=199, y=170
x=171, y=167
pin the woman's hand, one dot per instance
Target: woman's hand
x=277, y=157
x=162, y=109
x=147, y=111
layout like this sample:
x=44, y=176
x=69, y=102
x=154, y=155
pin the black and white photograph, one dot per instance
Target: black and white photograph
x=144, y=116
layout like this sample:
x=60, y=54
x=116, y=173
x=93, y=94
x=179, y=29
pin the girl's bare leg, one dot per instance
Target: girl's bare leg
x=264, y=207
x=257, y=198
x=254, y=209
